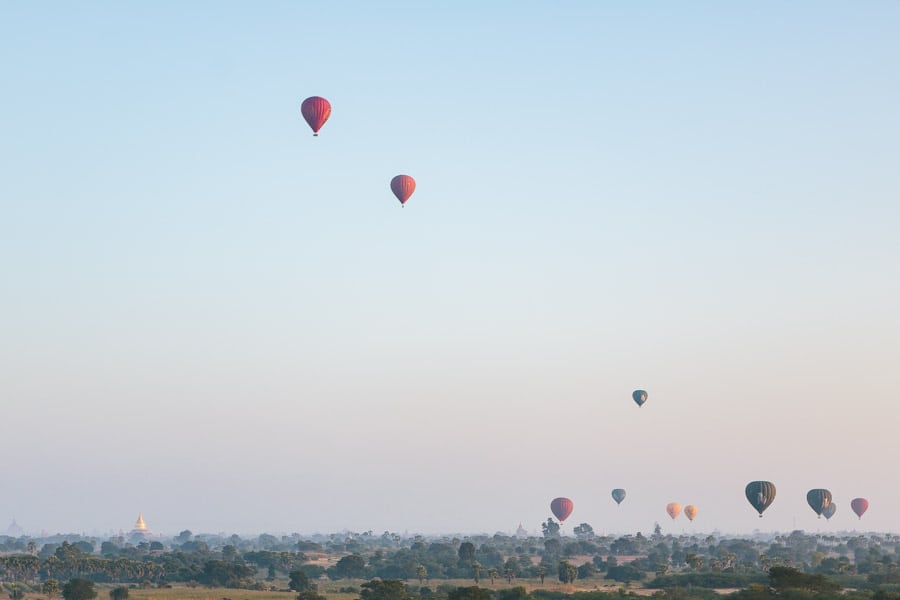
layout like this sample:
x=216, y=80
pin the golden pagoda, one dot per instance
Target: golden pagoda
x=140, y=527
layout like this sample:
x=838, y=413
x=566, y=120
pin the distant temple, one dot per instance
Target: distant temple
x=140, y=527
x=521, y=532
x=14, y=530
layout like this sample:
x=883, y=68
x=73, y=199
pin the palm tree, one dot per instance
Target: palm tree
x=493, y=573
x=541, y=571
x=476, y=566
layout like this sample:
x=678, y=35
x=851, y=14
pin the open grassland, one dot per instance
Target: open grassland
x=332, y=589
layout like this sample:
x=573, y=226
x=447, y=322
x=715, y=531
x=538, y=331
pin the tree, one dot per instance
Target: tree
x=310, y=595
x=511, y=568
x=118, y=593
x=553, y=547
x=583, y=531
x=79, y=589
x=567, y=572
x=516, y=593
x=586, y=570
x=625, y=573
x=16, y=592
x=421, y=573
x=694, y=561
x=542, y=572
x=469, y=593
x=493, y=573
x=50, y=588
x=786, y=578
x=384, y=589
x=550, y=528
x=218, y=573
x=300, y=582
x=466, y=553
x=476, y=566
x=351, y=566
x=229, y=553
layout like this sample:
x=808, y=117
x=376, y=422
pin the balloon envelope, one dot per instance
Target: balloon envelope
x=403, y=187
x=818, y=500
x=618, y=495
x=760, y=494
x=859, y=506
x=829, y=510
x=639, y=396
x=316, y=111
x=690, y=511
x=674, y=509
x=562, y=508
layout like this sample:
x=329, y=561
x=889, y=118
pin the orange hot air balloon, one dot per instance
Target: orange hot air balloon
x=562, y=508
x=690, y=511
x=316, y=111
x=674, y=509
x=859, y=506
x=403, y=187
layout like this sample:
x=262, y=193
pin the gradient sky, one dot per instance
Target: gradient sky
x=212, y=317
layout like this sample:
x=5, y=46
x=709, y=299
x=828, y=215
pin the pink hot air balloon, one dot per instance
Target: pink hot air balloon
x=562, y=508
x=859, y=506
x=403, y=187
x=316, y=111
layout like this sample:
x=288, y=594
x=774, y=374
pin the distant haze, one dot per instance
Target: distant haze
x=212, y=317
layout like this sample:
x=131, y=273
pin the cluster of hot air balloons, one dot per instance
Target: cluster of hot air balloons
x=316, y=110
x=761, y=494
x=674, y=509
x=562, y=507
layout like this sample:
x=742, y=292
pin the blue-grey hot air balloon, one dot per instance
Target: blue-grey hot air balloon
x=818, y=500
x=760, y=494
x=618, y=495
x=829, y=510
x=639, y=396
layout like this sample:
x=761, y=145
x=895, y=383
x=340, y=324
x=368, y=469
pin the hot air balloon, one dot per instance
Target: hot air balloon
x=674, y=509
x=760, y=494
x=690, y=511
x=403, y=187
x=859, y=506
x=818, y=500
x=829, y=510
x=639, y=396
x=618, y=495
x=562, y=508
x=316, y=111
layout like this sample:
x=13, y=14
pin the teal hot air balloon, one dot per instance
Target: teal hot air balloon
x=818, y=500
x=639, y=396
x=760, y=495
x=618, y=495
x=829, y=510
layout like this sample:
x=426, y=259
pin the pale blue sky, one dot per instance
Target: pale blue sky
x=211, y=316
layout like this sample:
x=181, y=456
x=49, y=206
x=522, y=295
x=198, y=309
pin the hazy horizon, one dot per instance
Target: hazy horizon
x=216, y=319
